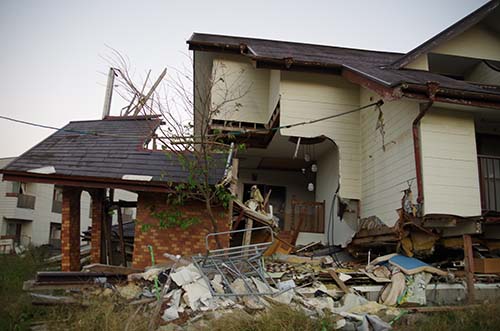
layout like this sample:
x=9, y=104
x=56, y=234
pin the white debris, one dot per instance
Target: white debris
x=344, y=277
x=217, y=284
x=44, y=170
x=286, y=285
x=172, y=312
x=196, y=293
x=141, y=178
x=185, y=275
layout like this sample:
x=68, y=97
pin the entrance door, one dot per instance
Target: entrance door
x=277, y=199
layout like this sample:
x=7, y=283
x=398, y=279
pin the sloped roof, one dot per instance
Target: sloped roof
x=299, y=52
x=107, y=150
x=372, y=65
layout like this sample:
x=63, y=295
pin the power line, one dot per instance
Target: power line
x=233, y=133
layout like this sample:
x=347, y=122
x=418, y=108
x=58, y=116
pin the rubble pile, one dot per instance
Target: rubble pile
x=182, y=295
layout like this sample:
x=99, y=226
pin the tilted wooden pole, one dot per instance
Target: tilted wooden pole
x=469, y=267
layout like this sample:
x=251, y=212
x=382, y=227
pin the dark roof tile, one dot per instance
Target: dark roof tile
x=114, y=152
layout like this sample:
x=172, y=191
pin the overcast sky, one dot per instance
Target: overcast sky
x=51, y=65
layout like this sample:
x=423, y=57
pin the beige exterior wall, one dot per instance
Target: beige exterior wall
x=476, y=42
x=237, y=79
x=449, y=163
x=484, y=74
x=420, y=63
x=307, y=96
x=385, y=174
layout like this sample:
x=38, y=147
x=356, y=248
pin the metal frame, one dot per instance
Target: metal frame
x=236, y=262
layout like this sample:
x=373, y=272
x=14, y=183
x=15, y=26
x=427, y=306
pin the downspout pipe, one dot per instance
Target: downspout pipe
x=432, y=88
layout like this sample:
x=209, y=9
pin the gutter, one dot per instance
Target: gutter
x=447, y=95
x=432, y=88
x=80, y=181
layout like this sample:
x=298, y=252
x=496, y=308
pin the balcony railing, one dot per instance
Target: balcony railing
x=489, y=174
x=26, y=201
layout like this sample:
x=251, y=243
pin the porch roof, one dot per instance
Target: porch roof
x=103, y=153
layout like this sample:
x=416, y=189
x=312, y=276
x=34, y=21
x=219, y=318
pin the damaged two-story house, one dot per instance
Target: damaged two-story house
x=319, y=138
x=344, y=139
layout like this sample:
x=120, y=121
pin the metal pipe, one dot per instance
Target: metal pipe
x=432, y=88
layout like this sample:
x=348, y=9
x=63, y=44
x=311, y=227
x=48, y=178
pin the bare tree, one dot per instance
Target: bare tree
x=187, y=107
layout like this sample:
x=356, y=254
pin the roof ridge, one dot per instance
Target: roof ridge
x=292, y=42
x=121, y=118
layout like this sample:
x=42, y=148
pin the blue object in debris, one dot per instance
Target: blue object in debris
x=407, y=263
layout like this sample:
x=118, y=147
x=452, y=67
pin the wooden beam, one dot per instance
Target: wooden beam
x=247, y=237
x=462, y=228
x=339, y=282
x=469, y=267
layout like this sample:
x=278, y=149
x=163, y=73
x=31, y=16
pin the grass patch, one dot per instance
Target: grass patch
x=484, y=318
x=16, y=311
x=279, y=317
x=107, y=314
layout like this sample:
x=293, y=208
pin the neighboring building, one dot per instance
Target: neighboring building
x=30, y=213
x=438, y=131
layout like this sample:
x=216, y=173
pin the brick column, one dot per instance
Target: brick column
x=70, y=229
x=98, y=196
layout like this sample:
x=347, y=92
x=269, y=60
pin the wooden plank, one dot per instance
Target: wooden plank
x=339, y=282
x=120, y=235
x=469, y=267
x=440, y=308
x=113, y=269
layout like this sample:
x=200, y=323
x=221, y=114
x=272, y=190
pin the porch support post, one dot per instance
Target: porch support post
x=70, y=229
x=98, y=196
x=469, y=267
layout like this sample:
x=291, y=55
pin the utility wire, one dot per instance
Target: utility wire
x=232, y=133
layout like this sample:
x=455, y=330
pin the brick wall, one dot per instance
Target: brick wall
x=70, y=229
x=173, y=240
x=97, y=215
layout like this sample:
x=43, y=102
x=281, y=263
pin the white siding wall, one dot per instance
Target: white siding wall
x=237, y=79
x=449, y=163
x=274, y=90
x=326, y=184
x=310, y=96
x=385, y=173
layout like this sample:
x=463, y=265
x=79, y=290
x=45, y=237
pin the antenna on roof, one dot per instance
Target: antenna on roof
x=109, y=93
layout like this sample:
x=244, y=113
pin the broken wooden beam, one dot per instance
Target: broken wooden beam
x=339, y=282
